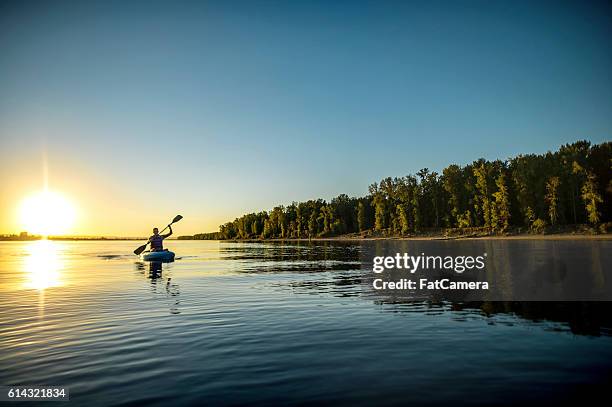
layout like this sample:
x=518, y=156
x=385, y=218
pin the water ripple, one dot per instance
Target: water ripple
x=236, y=324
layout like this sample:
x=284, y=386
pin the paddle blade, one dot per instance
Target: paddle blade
x=177, y=218
x=140, y=249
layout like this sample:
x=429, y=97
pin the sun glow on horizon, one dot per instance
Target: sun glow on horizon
x=47, y=213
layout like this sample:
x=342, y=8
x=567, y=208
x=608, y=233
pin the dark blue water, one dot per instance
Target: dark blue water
x=259, y=324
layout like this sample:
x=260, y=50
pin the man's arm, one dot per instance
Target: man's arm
x=169, y=233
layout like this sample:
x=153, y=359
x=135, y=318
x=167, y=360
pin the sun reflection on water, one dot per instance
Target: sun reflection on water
x=42, y=265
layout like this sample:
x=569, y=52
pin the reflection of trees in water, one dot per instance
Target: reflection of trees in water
x=582, y=318
x=299, y=257
x=160, y=285
x=339, y=285
x=341, y=269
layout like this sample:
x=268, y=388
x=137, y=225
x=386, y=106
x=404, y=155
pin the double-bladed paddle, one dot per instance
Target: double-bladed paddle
x=144, y=246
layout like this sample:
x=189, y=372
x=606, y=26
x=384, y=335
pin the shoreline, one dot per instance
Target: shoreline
x=352, y=237
x=76, y=239
x=348, y=238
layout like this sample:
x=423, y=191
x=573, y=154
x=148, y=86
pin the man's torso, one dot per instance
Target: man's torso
x=156, y=242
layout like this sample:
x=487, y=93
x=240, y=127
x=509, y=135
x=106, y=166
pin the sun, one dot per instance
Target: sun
x=47, y=213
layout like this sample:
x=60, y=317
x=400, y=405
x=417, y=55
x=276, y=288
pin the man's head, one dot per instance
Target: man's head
x=155, y=231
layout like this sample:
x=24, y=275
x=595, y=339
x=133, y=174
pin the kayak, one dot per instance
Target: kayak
x=164, y=255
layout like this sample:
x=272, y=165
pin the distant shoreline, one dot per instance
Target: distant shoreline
x=12, y=238
x=355, y=238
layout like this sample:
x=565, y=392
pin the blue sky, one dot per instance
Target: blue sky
x=214, y=109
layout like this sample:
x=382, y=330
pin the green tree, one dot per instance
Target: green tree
x=404, y=222
x=482, y=185
x=591, y=198
x=415, y=203
x=552, y=198
x=464, y=220
x=502, y=204
x=573, y=160
x=379, y=204
x=361, y=216
x=453, y=184
x=312, y=224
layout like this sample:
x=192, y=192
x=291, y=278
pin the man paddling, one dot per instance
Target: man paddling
x=157, y=240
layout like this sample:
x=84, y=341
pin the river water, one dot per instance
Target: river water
x=261, y=323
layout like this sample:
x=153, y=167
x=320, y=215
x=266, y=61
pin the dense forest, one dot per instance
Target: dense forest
x=533, y=192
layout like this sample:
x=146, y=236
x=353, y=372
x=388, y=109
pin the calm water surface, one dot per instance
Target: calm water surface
x=232, y=324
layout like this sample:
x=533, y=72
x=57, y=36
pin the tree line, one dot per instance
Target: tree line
x=567, y=187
